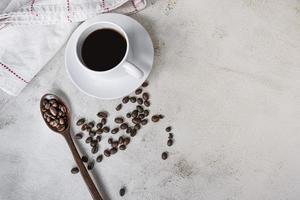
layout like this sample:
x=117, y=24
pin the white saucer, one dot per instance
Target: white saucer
x=143, y=54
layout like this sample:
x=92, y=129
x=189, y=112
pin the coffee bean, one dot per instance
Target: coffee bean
x=133, y=132
x=48, y=119
x=122, y=192
x=122, y=147
x=124, y=126
x=136, y=120
x=144, y=122
x=99, y=158
x=91, y=124
x=121, y=140
x=115, y=144
x=170, y=135
x=161, y=116
x=145, y=96
x=94, y=149
x=52, y=101
x=106, y=129
x=84, y=127
x=147, y=103
x=102, y=114
x=110, y=140
x=88, y=129
x=155, y=118
x=113, y=151
x=138, y=91
x=103, y=121
x=137, y=127
x=169, y=128
x=60, y=114
x=88, y=140
x=99, y=125
x=45, y=101
x=115, y=130
x=53, y=123
x=119, y=107
x=94, y=143
x=128, y=130
x=63, y=109
x=139, y=108
x=126, y=141
x=53, y=111
x=132, y=99
x=106, y=152
x=84, y=159
x=91, y=165
x=78, y=136
x=61, y=121
x=74, y=170
x=55, y=105
x=119, y=120
x=146, y=113
x=170, y=142
x=92, y=133
x=61, y=128
x=134, y=113
x=141, y=116
x=125, y=99
x=145, y=84
x=98, y=138
x=99, y=131
x=139, y=101
x=128, y=115
x=164, y=155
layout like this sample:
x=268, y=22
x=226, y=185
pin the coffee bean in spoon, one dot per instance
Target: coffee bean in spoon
x=164, y=155
x=102, y=114
x=125, y=99
x=74, y=170
x=53, y=111
x=80, y=122
x=138, y=91
x=119, y=107
x=132, y=99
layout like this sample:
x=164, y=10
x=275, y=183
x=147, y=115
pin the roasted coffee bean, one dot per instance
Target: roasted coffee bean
x=145, y=84
x=99, y=131
x=128, y=115
x=124, y=126
x=139, y=108
x=134, y=113
x=169, y=128
x=145, y=96
x=48, y=119
x=137, y=127
x=126, y=141
x=170, y=135
x=164, y=155
x=63, y=109
x=132, y=99
x=155, y=118
x=115, y=130
x=53, y=123
x=138, y=91
x=141, y=116
x=110, y=140
x=99, y=125
x=92, y=133
x=84, y=127
x=60, y=114
x=55, y=105
x=98, y=138
x=128, y=130
x=139, y=101
x=119, y=107
x=53, y=111
x=106, y=129
x=88, y=129
x=102, y=114
x=146, y=113
x=78, y=136
x=99, y=158
x=144, y=122
x=161, y=116
x=133, y=132
x=88, y=140
x=170, y=142
x=122, y=147
x=119, y=120
x=94, y=149
x=115, y=144
x=52, y=101
x=136, y=120
x=103, y=121
x=91, y=124
x=84, y=159
x=61, y=121
x=61, y=128
x=74, y=170
x=125, y=99
x=106, y=152
x=147, y=103
x=94, y=143
x=45, y=101
x=121, y=140
x=122, y=192
x=113, y=151
x=91, y=165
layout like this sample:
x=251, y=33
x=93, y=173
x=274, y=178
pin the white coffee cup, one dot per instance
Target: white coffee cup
x=125, y=67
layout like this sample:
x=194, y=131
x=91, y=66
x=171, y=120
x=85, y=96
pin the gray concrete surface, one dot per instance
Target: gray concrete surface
x=226, y=75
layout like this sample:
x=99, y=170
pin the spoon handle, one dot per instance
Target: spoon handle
x=89, y=182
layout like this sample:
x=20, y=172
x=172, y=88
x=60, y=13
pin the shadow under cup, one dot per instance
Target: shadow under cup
x=102, y=47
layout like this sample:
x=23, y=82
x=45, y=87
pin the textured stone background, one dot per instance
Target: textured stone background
x=226, y=75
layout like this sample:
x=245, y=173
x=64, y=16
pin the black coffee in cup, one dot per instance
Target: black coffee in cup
x=103, y=49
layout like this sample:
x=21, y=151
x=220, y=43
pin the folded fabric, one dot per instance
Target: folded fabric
x=32, y=32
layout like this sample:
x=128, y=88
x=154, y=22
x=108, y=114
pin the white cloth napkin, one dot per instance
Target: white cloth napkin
x=32, y=31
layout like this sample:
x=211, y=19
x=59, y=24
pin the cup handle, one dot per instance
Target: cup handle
x=133, y=70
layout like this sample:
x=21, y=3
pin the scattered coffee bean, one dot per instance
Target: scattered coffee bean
x=103, y=121
x=132, y=99
x=98, y=138
x=88, y=140
x=80, y=122
x=139, y=108
x=164, y=155
x=74, y=170
x=134, y=113
x=124, y=126
x=170, y=135
x=102, y=114
x=113, y=151
x=144, y=122
x=137, y=127
x=99, y=131
x=119, y=107
x=106, y=152
x=122, y=192
x=94, y=149
x=128, y=130
x=170, y=142
x=126, y=141
x=91, y=165
x=115, y=144
x=145, y=96
x=138, y=91
x=119, y=120
x=140, y=101
x=114, y=131
x=99, y=125
x=142, y=116
x=84, y=127
x=133, y=132
x=145, y=84
x=128, y=115
x=106, y=129
x=125, y=99
x=147, y=103
x=169, y=128
x=78, y=136
x=92, y=133
x=146, y=113
x=84, y=159
x=99, y=158
x=88, y=129
x=161, y=116
x=121, y=140
x=122, y=147
x=110, y=140
x=136, y=120
x=94, y=143
x=155, y=118
x=91, y=124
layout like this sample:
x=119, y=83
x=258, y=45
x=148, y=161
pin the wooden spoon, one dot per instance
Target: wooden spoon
x=66, y=133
